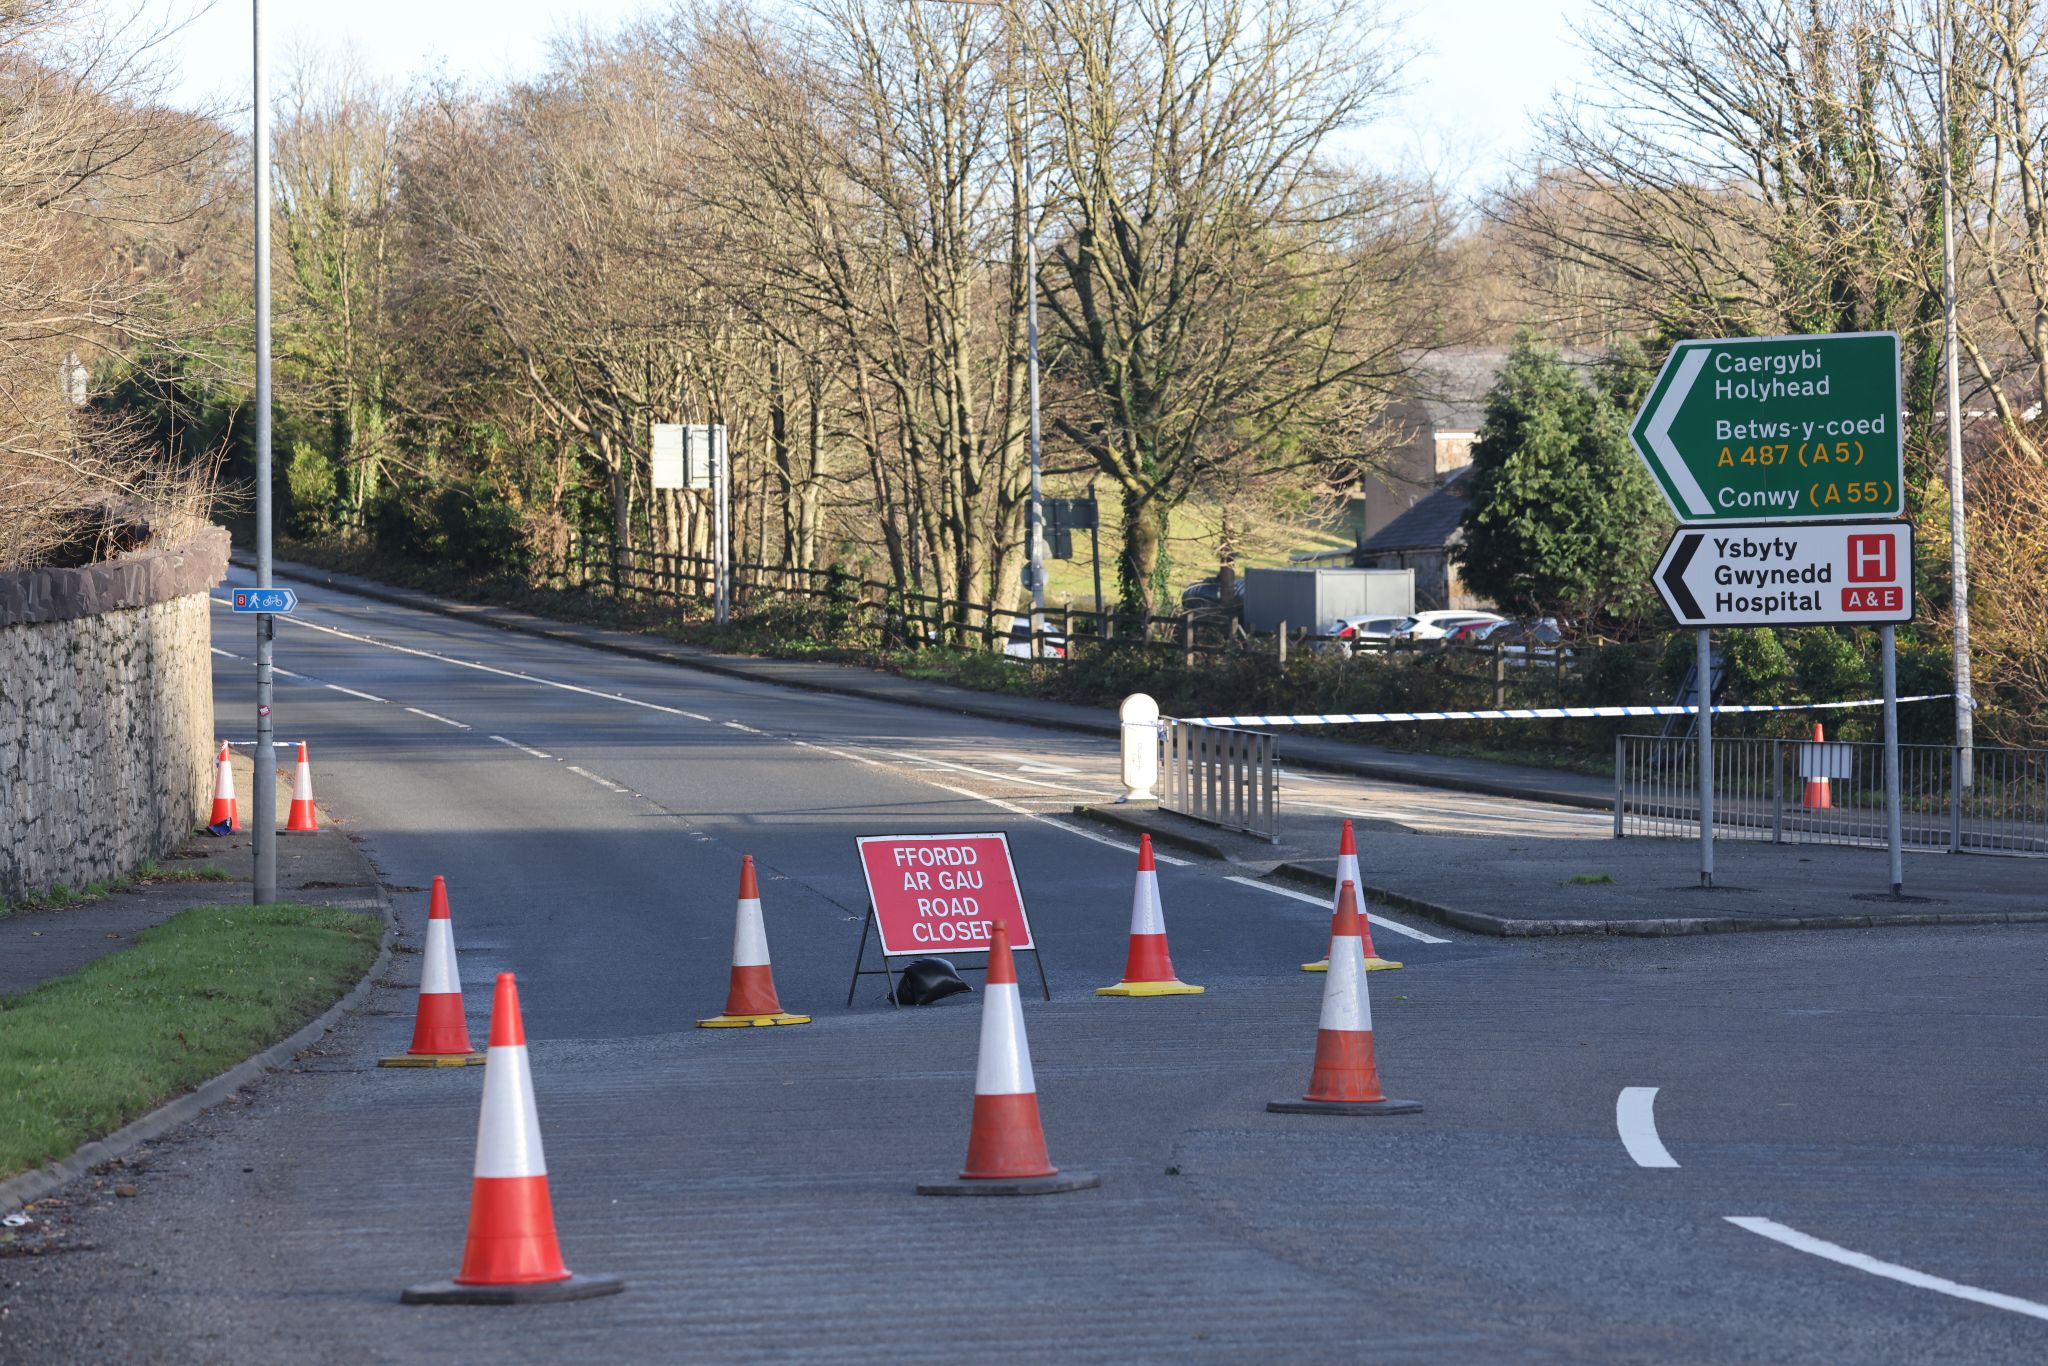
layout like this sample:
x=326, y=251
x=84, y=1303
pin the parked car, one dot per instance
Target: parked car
x=1468, y=632
x=1541, y=637
x=1439, y=625
x=1018, y=646
x=1206, y=595
x=1341, y=634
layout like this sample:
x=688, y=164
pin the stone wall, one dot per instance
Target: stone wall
x=106, y=713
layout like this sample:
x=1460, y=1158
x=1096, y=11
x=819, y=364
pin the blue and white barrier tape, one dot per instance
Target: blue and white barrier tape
x=1373, y=718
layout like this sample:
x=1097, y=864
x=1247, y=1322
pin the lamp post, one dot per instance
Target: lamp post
x=1959, y=575
x=263, y=819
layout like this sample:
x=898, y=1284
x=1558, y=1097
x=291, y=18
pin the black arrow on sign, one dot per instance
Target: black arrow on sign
x=1689, y=543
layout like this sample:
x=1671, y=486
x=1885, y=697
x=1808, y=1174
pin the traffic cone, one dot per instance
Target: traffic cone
x=510, y=1256
x=1345, y=1081
x=1148, y=971
x=223, y=821
x=440, y=1034
x=751, y=999
x=1347, y=871
x=1006, y=1145
x=1818, y=798
x=301, y=819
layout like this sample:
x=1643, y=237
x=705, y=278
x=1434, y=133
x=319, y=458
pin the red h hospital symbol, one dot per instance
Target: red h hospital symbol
x=1870, y=559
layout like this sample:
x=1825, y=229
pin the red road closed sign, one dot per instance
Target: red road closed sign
x=932, y=893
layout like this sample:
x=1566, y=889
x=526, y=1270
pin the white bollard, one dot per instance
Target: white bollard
x=1140, y=717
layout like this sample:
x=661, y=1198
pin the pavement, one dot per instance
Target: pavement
x=324, y=868
x=1303, y=750
x=1534, y=886
x=1864, y=1091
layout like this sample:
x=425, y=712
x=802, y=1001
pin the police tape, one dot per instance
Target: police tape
x=1373, y=718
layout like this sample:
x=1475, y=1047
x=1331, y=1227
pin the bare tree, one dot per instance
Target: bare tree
x=1228, y=298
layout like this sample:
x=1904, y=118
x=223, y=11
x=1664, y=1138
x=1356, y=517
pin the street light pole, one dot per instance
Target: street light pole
x=263, y=819
x=1959, y=576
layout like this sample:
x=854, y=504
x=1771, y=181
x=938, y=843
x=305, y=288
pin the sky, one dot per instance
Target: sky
x=1463, y=110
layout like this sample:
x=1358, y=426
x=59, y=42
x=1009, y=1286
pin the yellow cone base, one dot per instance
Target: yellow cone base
x=1173, y=988
x=433, y=1060
x=1371, y=965
x=741, y=1021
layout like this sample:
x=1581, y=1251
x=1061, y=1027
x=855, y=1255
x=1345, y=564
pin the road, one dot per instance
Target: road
x=1866, y=1102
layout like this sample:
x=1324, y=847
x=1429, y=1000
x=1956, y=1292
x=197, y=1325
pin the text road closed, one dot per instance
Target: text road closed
x=932, y=893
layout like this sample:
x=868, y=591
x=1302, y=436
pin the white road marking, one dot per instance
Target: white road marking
x=367, y=697
x=731, y=725
x=223, y=653
x=524, y=749
x=1892, y=1271
x=601, y=782
x=1029, y=814
x=979, y=772
x=286, y=673
x=1037, y=765
x=1324, y=902
x=442, y=719
x=1635, y=1119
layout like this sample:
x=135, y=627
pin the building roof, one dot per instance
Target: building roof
x=1431, y=524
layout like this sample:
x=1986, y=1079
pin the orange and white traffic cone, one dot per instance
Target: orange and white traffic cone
x=301, y=820
x=1006, y=1145
x=1818, y=797
x=1346, y=1080
x=223, y=820
x=1347, y=871
x=750, y=998
x=511, y=1255
x=1148, y=970
x=440, y=1034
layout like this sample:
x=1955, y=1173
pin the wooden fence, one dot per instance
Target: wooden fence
x=904, y=616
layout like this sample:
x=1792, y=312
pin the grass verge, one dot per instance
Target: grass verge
x=144, y=874
x=85, y=1054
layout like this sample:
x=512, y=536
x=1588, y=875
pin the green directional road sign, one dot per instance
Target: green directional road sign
x=1753, y=429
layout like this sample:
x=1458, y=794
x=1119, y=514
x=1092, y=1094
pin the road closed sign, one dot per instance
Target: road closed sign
x=934, y=893
x=1789, y=574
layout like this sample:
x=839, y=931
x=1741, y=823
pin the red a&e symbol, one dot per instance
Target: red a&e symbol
x=1870, y=559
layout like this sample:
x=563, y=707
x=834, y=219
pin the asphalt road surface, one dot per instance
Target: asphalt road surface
x=1785, y=1147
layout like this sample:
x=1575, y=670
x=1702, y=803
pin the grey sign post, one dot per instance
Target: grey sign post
x=1744, y=432
x=263, y=819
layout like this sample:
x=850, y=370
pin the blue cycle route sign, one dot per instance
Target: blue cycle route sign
x=274, y=601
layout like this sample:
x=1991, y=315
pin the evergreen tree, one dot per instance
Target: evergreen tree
x=1562, y=519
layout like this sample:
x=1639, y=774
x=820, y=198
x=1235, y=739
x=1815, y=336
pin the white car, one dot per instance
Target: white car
x=1437, y=625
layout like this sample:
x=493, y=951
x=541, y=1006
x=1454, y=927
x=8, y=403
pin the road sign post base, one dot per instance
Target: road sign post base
x=742, y=1021
x=1344, y=1107
x=1057, y=1184
x=540, y=1292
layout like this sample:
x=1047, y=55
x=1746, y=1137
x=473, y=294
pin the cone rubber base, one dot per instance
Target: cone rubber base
x=1344, y=1107
x=741, y=1021
x=1371, y=965
x=539, y=1292
x=1056, y=1184
x=433, y=1060
x=1173, y=988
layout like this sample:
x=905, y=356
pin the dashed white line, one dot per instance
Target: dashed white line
x=1324, y=902
x=1891, y=1271
x=1635, y=1120
x=433, y=717
x=523, y=749
x=736, y=725
x=286, y=673
x=601, y=782
x=225, y=654
x=977, y=772
x=366, y=696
